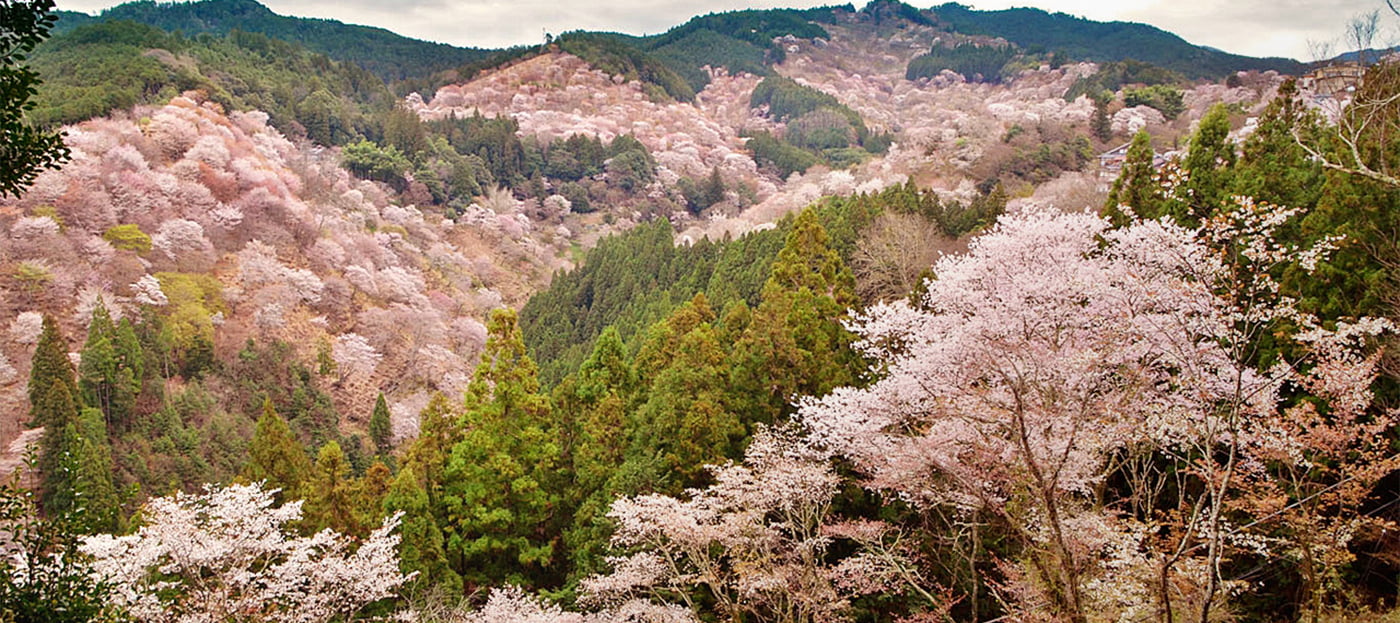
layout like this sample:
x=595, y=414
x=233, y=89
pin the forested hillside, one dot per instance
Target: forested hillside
x=786, y=316
x=385, y=54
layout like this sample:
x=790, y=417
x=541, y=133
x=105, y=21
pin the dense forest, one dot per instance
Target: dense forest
x=283, y=345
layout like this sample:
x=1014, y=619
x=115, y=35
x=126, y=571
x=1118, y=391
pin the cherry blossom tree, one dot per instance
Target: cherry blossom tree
x=228, y=554
x=353, y=354
x=755, y=543
x=1054, y=347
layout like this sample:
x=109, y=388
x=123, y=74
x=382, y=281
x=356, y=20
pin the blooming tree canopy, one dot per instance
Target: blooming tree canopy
x=228, y=555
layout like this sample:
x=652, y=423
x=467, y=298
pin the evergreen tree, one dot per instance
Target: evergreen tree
x=1135, y=186
x=370, y=491
x=58, y=447
x=109, y=373
x=1100, y=124
x=379, y=427
x=598, y=396
x=276, y=457
x=331, y=500
x=683, y=422
x=49, y=365
x=89, y=465
x=794, y=343
x=422, y=546
x=1208, y=164
x=501, y=492
x=427, y=455
x=1272, y=166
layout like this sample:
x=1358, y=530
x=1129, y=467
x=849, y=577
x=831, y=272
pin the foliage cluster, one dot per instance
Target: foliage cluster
x=1081, y=39
x=979, y=63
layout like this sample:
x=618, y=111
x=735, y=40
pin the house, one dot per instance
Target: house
x=1112, y=160
x=1336, y=80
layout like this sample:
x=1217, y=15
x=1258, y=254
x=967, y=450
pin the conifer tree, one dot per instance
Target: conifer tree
x=1208, y=163
x=50, y=365
x=58, y=446
x=379, y=427
x=331, y=500
x=90, y=470
x=276, y=457
x=598, y=398
x=422, y=547
x=437, y=432
x=1135, y=186
x=109, y=375
x=501, y=492
x=683, y=422
x=795, y=343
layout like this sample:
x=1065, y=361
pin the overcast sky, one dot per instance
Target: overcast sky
x=1253, y=27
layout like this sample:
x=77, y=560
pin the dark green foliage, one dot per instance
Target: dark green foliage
x=50, y=364
x=1208, y=164
x=1048, y=159
x=786, y=99
x=689, y=53
x=502, y=482
x=769, y=150
x=978, y=63
x=379, y=429
x=60, y=438
x=614, y=54
x=737, y=40
x=685, y=422
x=60, y=592
x=795, y=344
x=631, y=281
x=1136, y=186
x=384, y=53
x=1272, y=166
x=421, y=545
x=370, y=161
x=955, y=219
x=1083, y=39
x=1113, y=76
x=276, y=458
x=110, y=65
x=329, y=490
x=1166, y=99
x=1100, y=124
x=701, y=194
x=271, y=372
x=24, y=149
x=493, y=140
x=109, y=377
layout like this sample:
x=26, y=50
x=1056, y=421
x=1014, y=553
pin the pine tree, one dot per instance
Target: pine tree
x=501, y=492
x=276, y=457
x=50, y=365
x=379, y=427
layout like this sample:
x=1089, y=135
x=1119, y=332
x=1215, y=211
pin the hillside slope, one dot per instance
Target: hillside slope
x=389, y=55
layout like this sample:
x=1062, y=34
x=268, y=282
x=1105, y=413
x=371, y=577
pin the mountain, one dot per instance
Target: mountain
x=1083, y=39
x=388, y=55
